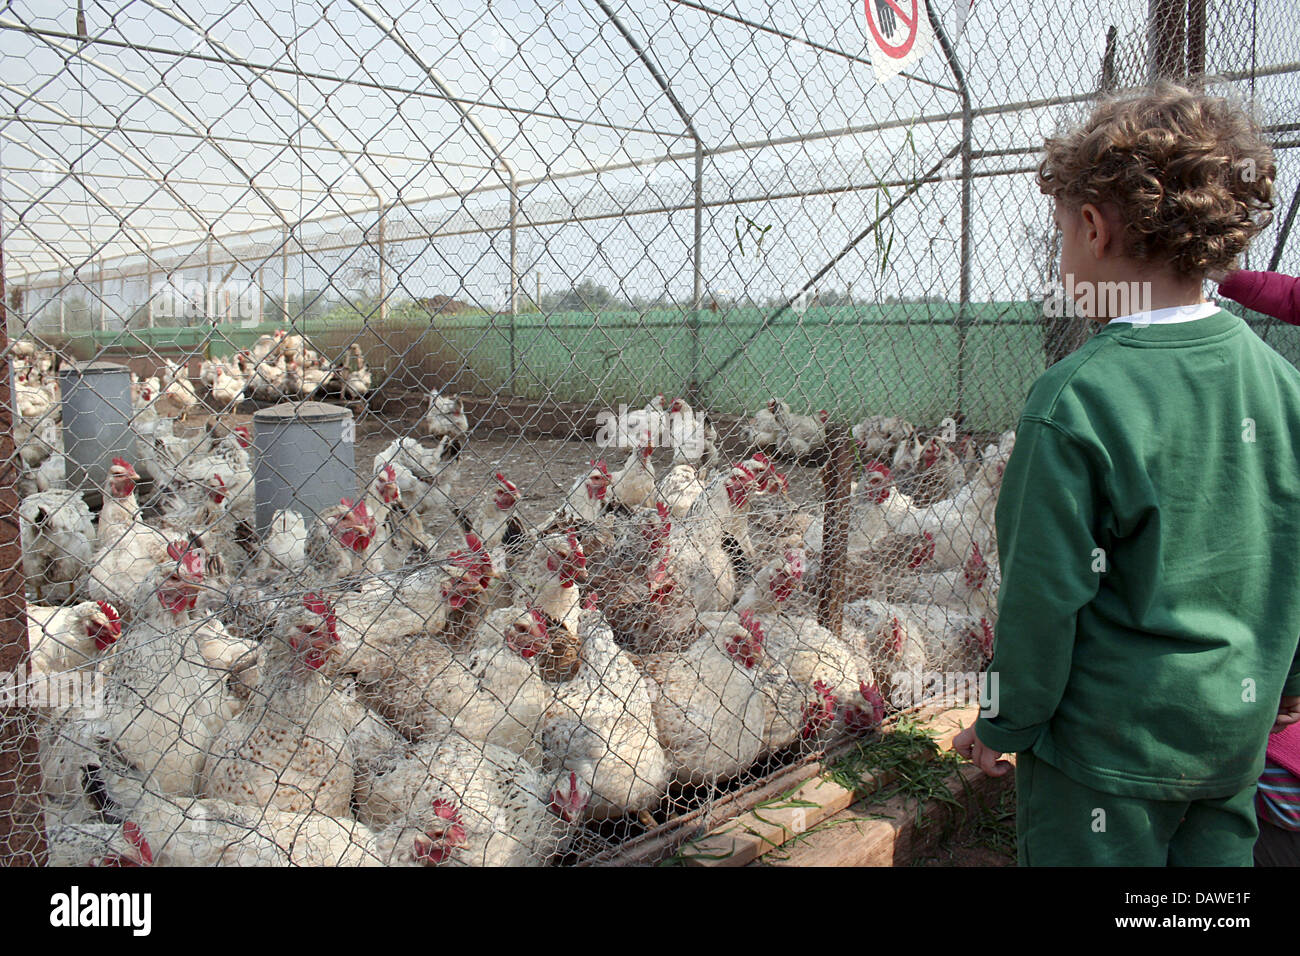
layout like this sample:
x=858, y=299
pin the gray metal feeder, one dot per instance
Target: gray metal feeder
x=303, y=459
x=96, y=421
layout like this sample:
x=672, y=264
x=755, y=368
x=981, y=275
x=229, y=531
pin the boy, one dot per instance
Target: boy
x=1149, y=518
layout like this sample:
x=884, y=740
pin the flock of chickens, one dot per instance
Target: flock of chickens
x=411, y=679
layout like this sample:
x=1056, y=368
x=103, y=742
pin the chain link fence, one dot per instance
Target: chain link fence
x=514, y=433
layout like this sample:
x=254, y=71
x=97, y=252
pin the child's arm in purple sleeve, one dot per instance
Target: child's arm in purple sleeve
x=1268, y=292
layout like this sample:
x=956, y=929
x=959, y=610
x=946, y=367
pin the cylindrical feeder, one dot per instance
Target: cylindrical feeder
x=304, y=459
x=96, y=421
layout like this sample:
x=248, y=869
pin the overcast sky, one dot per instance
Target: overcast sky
x=165, y=148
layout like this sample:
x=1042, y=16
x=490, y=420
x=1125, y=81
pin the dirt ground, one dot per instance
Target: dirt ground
x=987, y=837
x=543, y=468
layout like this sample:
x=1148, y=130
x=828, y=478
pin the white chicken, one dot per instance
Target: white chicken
x=227, y=387
x=496, y=521
x=599, y=725
x=801, y=435
x=875, y=505
x=288, y=748
x=400, y=536
x=61, y=639
x=807, y=674
x=58, y=539
x=680, y=488
x=970, y=589
x=128, y=550
x=548, y=578
x=939, y=473
x=268, y=380
x=164, y=700
x=585, y=504
x=645, y=425
x=445, y=418
x=43, y=465
x=174, y=831
x=285, y=544
x=958, y=523
x=490, y=804
x=178, y=396
x=698, y=559
x=420, y=656
x=633, y=485
x=893, y=643
x=764, y=429
x=421, y=473
x=707, y=704
x=355, y=382
x=879, y=435
x=694, y=439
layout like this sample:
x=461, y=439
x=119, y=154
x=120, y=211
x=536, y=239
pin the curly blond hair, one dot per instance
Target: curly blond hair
x=1190, y=174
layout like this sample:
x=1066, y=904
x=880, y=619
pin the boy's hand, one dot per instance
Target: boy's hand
x=966, y=744
x=1288, y=712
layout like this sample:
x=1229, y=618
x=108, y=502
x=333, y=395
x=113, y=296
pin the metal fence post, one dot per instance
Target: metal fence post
x=697, y=303
x=22, y=833
x=963, y=305
x=383, y=275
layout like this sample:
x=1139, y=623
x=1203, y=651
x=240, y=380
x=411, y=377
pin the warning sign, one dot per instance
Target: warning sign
x=901, y=33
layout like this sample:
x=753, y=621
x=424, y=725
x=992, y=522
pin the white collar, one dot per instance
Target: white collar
x=1177, y=313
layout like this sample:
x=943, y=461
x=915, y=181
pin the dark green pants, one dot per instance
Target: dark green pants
x=1060, y=822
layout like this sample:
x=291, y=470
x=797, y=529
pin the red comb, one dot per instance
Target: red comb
x=136, y=838
x=317, y=604
x=110, y=612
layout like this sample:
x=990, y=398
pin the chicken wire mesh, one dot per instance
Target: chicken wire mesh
x=508, y=433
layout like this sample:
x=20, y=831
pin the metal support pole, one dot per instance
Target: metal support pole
x=261, y=284
x=148, y=288
x=16, y=309
x=693, y=386
x=284, y=276
x=1195, y=39
x=383, y=276
x=837, y=486
x=209, y=303
x=963, y=305
x=514, y=244
x=22, y=821
x=1166, y=39
x=514, y=272
x=103, y=306
x=697, y=295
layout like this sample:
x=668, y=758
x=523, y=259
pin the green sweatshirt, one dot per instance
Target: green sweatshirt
x=1149, y=539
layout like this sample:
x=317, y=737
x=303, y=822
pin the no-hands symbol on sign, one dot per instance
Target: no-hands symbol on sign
x=901, y=33
x=884, y=18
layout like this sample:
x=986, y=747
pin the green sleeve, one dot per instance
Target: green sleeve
x=1046, y=519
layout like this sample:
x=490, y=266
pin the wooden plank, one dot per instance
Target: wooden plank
x=748, y=836
x=887, y=834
